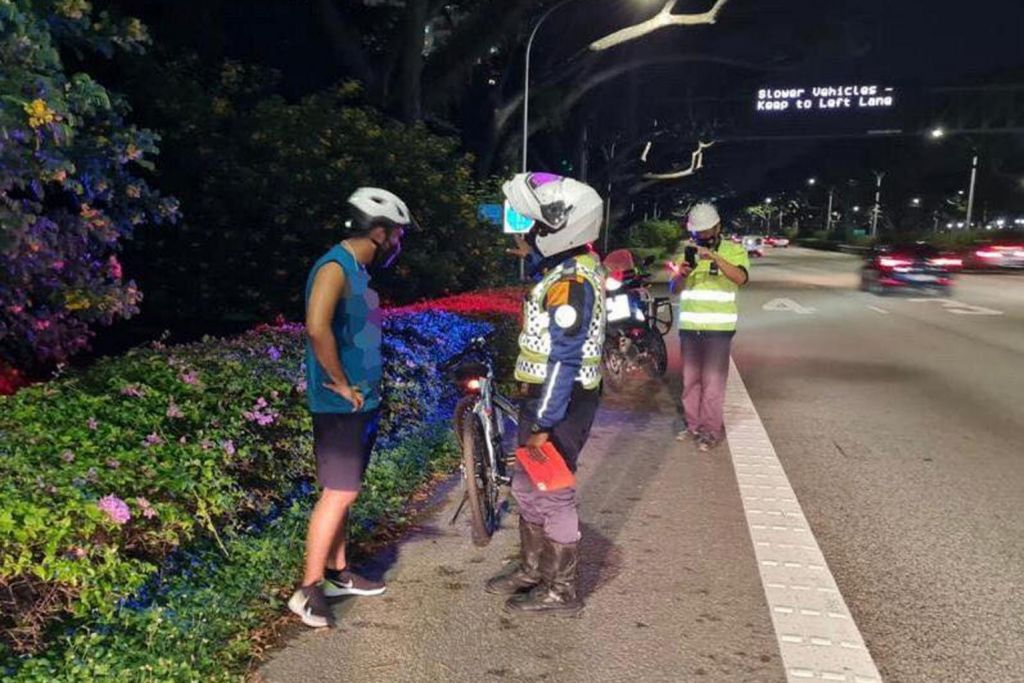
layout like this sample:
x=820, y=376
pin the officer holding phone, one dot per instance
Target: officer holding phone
x=708, y=280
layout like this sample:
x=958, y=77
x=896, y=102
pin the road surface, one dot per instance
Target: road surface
x=898, y=423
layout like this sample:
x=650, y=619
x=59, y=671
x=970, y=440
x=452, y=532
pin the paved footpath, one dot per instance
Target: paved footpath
x=670, y=577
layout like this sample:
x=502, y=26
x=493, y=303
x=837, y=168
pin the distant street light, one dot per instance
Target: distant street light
x=916, y=201
x=812, y=181
x=937, y=133
x=856, y=209
x=767, y=200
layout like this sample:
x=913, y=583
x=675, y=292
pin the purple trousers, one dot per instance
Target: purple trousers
x=705, y=370
x=556, y=511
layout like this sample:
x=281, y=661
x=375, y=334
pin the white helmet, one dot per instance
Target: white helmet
x=703, y=216
x=568, y=213
x=372, y=206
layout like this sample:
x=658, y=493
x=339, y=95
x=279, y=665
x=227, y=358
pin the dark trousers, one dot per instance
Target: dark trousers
x=556, y=511
x=705, y=370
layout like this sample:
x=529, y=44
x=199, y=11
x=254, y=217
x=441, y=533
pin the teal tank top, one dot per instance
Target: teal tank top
x=357, y=330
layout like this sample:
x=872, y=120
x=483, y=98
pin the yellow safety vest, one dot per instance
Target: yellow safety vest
x=708, y=302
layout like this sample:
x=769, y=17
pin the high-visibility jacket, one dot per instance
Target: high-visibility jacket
x=542, y=317
x=708, y=302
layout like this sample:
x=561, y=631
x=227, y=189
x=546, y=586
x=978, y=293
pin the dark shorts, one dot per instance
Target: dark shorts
x=342, y=443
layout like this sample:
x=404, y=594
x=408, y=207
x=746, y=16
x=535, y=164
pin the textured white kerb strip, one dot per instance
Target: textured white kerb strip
x=817, y=636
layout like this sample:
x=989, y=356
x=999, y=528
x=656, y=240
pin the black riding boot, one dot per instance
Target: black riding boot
x=526, y=573
x=559, y=591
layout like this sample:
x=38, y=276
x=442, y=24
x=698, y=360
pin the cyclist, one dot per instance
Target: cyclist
x=559, y=363
x=343, y=376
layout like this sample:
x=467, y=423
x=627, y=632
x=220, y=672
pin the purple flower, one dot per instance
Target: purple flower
x=93, y=424
x=152, y=440
x=274, y=353
x=190, y=377
x=116, y=509
x=173, y=411
x=228, y=446
x=301, y=386
x=67, y=456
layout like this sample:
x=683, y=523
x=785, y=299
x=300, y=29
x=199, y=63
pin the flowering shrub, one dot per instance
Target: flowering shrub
x=107, y=474
x=70, y=183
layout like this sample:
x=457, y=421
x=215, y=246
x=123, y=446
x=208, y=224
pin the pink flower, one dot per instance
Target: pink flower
x=183, y=440
x=67, y=456
x=301, y=386
x=228, y=446
x=115, y=508
x=190, y=377
x=206, y=444
x=93, y=424
x=115, y=267
x=148, y=511
x=173, y=411
x=58, y=265
x=113, y=464
x=76, y=553
x=42, y=324
x=133, y=390
x=153, y=439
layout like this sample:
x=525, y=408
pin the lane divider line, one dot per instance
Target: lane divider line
x=817, y=636
x=876, y=309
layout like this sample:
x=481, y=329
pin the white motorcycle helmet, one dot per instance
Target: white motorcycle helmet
x=372, y=206
x=568, y=213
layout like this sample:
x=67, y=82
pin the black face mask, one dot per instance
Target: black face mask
x=384, y=255
x=708, y=242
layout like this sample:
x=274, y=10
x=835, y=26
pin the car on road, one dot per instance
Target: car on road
x=771, y=241
x=1006, y=255
x=754, y=244
x=908, y=266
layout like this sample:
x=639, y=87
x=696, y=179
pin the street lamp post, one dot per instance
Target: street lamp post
x=970, y=195
x=877, y=209
x=828, y=219
x=526, y=79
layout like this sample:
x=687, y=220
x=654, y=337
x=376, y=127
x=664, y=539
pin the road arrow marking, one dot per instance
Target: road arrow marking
x=788, y=305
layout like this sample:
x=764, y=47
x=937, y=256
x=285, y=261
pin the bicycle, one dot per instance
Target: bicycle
x=480, y=425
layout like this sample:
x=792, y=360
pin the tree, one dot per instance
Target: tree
x=264, y=185
x=72, y=181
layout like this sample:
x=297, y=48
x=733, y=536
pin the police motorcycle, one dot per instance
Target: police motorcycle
x=637, y=321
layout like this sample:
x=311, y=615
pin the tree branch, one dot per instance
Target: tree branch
x=696, y=163
x=659, y=21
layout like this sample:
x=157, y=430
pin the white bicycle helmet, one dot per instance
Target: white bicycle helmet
x=372, y=206
x=568, y=213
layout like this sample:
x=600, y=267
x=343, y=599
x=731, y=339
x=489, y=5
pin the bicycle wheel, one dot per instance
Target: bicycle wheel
x=657, y=359
x=663, y=316
x=483, y=513
x=462, y=408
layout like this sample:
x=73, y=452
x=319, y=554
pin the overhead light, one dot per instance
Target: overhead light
x=937, y=133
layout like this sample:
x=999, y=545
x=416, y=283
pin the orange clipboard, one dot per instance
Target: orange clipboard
x=545, y=467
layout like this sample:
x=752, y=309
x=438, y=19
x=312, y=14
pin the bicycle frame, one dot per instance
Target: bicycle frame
x=493, y=425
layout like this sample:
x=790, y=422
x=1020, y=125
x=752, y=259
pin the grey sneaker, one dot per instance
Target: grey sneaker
x=345, y=582
x=310, y=604
x=706, y=443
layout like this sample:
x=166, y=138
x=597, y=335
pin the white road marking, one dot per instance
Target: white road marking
x=959, y=307
x=787, y=305
x=817, y=636
x=876, y=309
